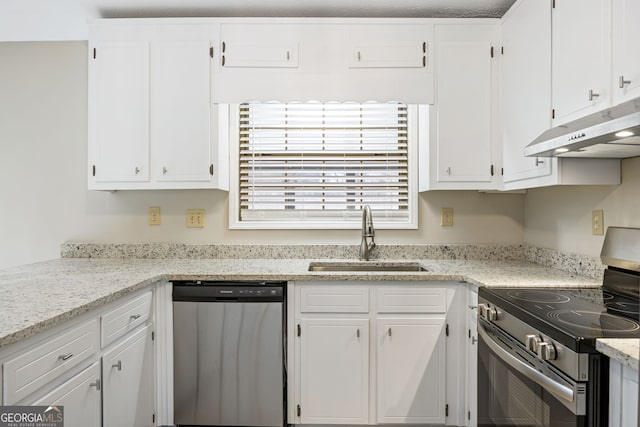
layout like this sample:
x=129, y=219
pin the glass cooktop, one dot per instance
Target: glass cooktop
x=581, y=314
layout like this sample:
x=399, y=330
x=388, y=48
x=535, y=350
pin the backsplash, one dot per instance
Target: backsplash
x=573, y=263
x=178, y=250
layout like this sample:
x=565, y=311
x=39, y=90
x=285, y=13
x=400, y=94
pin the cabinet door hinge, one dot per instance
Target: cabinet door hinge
x=492, y=51
x=299, y=332
x=553, y=4
x=469, y=415
x=298, y=411
x=153, y=418
x=501, y=50
x=553, y=113
x=469, y=333
x=211, y=51
x=501, y=171
x=446, y=410
x=491, y=170
x=446, y=329
x=94, y=53
x=211, y=170
x=153, y=335
x=94, y=170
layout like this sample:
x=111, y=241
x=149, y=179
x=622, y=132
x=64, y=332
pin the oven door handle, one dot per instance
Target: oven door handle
x=553, y=387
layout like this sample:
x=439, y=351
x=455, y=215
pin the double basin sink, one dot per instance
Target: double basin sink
x=356, y=266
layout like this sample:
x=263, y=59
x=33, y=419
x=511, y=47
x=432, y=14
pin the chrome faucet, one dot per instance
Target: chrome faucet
x=367, y=232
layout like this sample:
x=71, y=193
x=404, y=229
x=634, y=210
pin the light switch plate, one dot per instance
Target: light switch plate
x=195, y=218
x=154, y=216
x=597, y=222
x=446, y=217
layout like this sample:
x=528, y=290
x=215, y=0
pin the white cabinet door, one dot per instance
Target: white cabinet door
x=128, y=382
x=581, y=58
x=623, y=395
x=464, y=137
x=526, y=88
x=390, y=46
x=334, y=371
x=119, y=111
x=626, y=60
x=411, y=370
x=80, y=397
x=180, y=128
x=472, y=356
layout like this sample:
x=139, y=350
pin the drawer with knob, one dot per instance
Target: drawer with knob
x=124, y=318
x=29, y=371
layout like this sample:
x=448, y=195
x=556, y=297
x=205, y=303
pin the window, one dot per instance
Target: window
x=314, y=165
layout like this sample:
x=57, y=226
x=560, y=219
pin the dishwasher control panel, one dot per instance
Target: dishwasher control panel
x=207, y=291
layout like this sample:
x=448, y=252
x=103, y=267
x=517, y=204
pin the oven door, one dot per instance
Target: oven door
x=515, y=388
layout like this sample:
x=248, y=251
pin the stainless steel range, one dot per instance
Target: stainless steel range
x=537, y=362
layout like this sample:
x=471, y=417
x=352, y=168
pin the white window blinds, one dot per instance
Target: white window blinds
x=322, y=161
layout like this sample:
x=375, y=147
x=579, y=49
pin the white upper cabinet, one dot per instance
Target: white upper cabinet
x=324, y=60
x=151, y=123
x=392, y=46
x=463, y=150
x=260, y=46
x=526, y=88
x=119, y=111
x=625, y=46
x=180, y=129
x=581, y=51
x=527, y=103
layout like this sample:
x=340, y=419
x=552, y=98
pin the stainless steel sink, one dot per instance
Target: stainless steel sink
x=355, y=266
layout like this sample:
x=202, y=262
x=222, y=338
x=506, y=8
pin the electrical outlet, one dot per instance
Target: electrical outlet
x=597, y=222
x=195, y=218
x=154, y=216
x=446, y=217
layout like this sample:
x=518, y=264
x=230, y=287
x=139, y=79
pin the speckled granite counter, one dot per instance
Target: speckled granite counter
x=625, y=351
x=39, y=296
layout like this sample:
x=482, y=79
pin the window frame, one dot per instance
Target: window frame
x=349, y=222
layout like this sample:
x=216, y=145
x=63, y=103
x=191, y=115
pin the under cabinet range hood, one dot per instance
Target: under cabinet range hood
x=613, y=133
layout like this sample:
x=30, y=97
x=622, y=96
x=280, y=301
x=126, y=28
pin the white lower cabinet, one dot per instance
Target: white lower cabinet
x=109, y=384
x=623, y=395
x=80, y=397
x=127, y=396
x=334, y=356
x=411, y=370
x=376, y=353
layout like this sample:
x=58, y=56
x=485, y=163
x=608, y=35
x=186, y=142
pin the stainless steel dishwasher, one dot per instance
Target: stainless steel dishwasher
x=229, y=353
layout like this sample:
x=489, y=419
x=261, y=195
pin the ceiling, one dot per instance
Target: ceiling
x=26, y=20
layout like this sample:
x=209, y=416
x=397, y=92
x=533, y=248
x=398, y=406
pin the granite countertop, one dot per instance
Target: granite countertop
x=36, y=297
x=625, y=351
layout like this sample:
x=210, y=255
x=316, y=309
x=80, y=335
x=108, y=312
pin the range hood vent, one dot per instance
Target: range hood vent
x=613, y=133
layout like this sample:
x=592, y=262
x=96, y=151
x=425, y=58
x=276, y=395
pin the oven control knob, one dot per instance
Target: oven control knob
x=547, y=351
x=482, y=310
x=492, y=314
x=531, y=342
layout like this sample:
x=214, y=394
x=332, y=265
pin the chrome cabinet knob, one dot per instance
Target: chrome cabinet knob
x=547, y=351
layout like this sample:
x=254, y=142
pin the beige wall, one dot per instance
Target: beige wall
x=44, y=200
x=43, y=130
x=560, y=217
